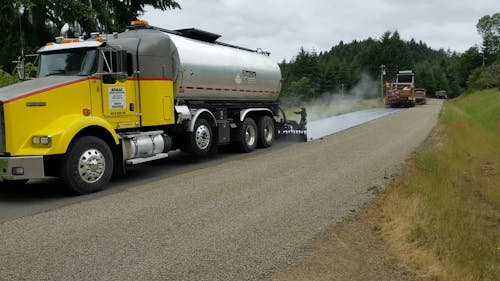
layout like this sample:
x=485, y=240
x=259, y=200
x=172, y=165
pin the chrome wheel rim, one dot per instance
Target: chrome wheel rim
x=250, y=135
x=202, y=136
x=268, y=133
x=91, y=165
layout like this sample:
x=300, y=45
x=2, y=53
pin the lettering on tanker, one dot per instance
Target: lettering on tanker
x=249, y=77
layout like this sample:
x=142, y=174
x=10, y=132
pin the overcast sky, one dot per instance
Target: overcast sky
x=283, y=26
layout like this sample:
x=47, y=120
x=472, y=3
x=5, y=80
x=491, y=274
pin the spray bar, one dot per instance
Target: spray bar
x=290, y=130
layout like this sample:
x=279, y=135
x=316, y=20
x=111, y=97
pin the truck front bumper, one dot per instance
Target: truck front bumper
x=21, y=168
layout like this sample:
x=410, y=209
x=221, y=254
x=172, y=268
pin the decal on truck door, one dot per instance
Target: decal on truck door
x=117, y=98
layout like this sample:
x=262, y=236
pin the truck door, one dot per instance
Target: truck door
x=118, y=90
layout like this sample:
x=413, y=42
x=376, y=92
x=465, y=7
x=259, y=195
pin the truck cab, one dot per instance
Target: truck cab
x=82, y=96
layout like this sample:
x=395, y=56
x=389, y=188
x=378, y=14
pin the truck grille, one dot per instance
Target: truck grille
x=2, y=129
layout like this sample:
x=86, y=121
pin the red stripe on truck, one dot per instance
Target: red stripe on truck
x=74, y=82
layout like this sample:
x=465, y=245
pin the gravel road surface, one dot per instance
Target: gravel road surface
x=239, y=219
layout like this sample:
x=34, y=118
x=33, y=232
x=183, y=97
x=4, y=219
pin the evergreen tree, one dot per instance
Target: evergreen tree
x=29, y=24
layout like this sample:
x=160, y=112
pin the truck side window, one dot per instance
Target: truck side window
x=118, y=61
x=110, y=62
x=130, y=65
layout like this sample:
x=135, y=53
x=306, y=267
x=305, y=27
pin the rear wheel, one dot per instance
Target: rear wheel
x=87, y=166
x=248, y=135
x=265, y=131
x=200, y=140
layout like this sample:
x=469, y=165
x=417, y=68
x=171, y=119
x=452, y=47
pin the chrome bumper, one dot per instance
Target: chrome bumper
x=20, y=168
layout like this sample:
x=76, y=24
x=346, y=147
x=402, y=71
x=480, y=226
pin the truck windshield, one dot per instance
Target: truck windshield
x=405, y=79
x=81, y=62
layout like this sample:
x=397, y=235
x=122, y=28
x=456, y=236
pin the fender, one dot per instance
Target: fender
x=244, y=112
x=197, y=114
x=62, y=131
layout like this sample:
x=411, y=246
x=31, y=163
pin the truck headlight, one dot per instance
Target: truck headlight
x=42, y=140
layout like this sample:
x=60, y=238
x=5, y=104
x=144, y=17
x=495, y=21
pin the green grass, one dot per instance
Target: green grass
x=456, y=181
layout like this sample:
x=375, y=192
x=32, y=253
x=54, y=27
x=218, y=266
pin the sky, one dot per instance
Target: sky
x=282, y=27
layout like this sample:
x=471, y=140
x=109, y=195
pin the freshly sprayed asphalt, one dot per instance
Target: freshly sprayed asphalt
x=327, y=126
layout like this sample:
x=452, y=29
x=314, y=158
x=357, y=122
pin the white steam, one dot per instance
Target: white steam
x=363, y=95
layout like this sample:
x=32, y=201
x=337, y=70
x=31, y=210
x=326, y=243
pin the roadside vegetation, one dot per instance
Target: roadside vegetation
x=442, y=215
x=7, y=79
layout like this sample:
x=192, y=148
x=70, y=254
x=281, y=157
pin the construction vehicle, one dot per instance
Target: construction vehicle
x=102, y=104
x=420, y=96
x=402, y=92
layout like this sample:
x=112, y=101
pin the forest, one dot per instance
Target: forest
x=28, y=24
x=311, y=74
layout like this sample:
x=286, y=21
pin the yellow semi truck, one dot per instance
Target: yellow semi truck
x=104, y=103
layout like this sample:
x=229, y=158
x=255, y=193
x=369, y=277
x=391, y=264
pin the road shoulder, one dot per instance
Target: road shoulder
x=354, y=250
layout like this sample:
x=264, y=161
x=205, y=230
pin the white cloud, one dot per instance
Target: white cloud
x=284, y=26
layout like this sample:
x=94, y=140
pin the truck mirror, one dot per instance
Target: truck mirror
x=108, y=78
x=112, y=78
x=120, y=76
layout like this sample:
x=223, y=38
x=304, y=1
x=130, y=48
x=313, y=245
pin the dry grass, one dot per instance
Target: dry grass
x=442, y=215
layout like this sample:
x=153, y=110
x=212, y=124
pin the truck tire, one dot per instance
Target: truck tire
x=87, y=166
x=265, y=131
x=248, y=135
x=200, y=140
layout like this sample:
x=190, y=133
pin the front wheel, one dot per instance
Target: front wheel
x=200, y=140
x=87, y=166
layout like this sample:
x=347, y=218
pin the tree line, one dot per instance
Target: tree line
x=310, y=75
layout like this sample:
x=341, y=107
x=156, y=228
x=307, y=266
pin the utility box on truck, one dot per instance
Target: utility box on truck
x=101, y=104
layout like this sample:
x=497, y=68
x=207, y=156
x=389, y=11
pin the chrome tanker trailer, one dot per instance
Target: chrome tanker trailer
x=101, y=104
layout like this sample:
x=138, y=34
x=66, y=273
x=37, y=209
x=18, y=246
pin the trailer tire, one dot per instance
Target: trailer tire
x=248, y=135
x=265, y=131
x=200, y=140
x=87, y=166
